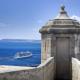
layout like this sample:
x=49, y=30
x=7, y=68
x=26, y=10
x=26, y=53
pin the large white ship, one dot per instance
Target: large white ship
x=19, y=55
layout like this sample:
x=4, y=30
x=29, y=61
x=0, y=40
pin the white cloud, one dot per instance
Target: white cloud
x=75, y=17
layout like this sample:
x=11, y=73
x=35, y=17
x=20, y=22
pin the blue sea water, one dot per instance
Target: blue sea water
x=9, y=49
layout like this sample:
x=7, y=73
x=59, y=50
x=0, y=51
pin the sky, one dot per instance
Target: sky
x=22, y=19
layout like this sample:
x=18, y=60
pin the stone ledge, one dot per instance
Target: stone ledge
x=44, y=71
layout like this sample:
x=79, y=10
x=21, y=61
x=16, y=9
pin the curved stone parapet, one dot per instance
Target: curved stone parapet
x=44, y=71
x=75, y=69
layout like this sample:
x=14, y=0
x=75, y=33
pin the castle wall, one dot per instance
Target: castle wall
x=77, y=46
x=46, y=45
x=44, y=71
x=75, y=69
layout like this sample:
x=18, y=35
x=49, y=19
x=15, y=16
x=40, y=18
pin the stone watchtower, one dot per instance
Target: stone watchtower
x=60, y=38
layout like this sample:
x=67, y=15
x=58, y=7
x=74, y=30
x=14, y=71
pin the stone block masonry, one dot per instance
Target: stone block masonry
x=75, y=69
x=44, y=71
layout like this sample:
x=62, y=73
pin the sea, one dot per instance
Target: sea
x=8, y=50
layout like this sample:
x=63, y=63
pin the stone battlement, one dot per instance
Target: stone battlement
x=75, y=69
x=44, y=71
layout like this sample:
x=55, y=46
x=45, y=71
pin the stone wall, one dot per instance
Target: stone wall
x=75, y=69
x=44, y=71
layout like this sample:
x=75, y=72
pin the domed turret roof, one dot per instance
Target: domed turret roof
x=61, y=21
x=62, y=14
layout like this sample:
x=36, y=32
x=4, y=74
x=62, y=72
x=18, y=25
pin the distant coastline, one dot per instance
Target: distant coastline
x=20, y=40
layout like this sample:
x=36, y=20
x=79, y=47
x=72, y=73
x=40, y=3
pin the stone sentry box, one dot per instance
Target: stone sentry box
x=60, y=38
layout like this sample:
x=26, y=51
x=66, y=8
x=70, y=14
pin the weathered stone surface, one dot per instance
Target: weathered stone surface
x=75, y=69
x=44, y=71
x=59, y=40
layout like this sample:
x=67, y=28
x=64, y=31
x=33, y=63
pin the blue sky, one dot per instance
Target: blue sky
x=22, y=19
